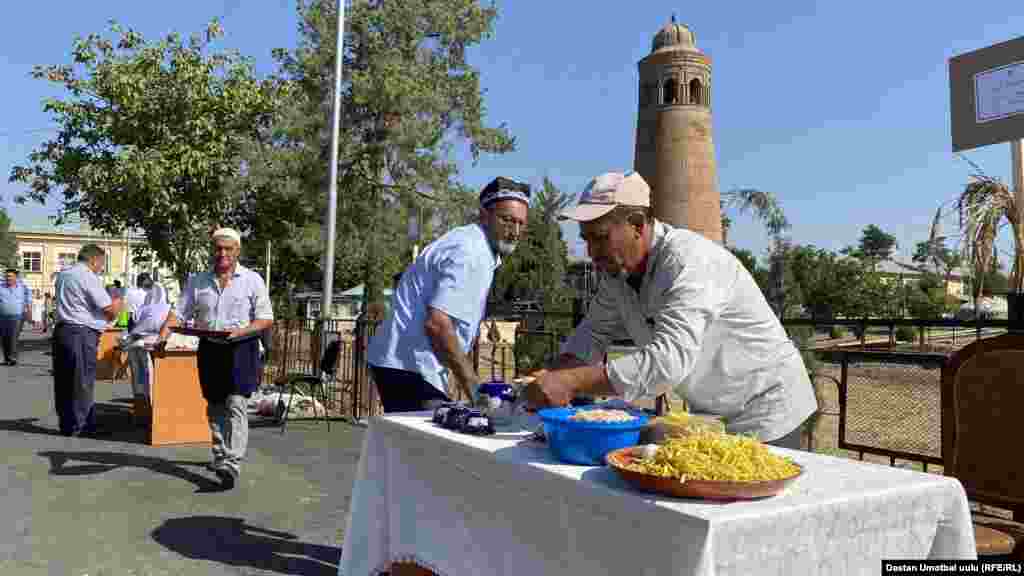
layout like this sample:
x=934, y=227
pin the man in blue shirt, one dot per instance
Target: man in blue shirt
x=229, y=298
x=15, y=305
x=83, y=309
x=439, y=302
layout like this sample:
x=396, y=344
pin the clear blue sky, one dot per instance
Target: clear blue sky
x=839, y=108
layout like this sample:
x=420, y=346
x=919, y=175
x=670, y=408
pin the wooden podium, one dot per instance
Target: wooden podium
x=108, y=358
x=178, y=414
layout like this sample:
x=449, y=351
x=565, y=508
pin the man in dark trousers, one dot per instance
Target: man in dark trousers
x=233, y=299
x=15, y=305
x=83, y=310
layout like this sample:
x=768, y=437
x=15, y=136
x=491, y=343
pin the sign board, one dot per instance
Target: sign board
x=986, y=95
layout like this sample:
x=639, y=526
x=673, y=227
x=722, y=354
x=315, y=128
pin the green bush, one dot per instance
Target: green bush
x=905, y=334
x=837, y=332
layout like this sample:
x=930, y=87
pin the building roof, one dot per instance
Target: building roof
x=908, y=269
x=674, y=36
x=46, y=225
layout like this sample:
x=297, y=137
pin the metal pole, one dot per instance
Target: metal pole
x=327, y=293
x=268, y=265
x=1014, y=312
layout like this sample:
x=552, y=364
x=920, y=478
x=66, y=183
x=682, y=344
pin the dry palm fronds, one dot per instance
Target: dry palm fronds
x=982, y=205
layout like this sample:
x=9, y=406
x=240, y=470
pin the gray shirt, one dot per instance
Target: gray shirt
x=81, y=298
x=243, y=300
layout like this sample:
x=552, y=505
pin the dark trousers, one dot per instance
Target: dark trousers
x=10, y=329
x=74, y=377
x=403, y=391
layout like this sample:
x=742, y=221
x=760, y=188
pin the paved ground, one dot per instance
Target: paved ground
x=115, y=506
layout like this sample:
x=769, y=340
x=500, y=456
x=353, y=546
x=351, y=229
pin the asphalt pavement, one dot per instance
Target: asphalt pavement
x=115, y=506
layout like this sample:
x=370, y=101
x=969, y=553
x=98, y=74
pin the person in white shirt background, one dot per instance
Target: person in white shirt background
x=135, y=296
x=700, y=322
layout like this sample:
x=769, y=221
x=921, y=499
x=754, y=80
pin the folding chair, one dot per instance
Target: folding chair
x=315, y=385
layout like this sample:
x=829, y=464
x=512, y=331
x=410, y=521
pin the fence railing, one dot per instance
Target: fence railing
x=878, y=380
x=879, y=385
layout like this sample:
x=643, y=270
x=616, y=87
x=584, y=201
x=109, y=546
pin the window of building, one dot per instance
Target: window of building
x=696, y=94
x=66, y=260
x=670, y=90
x=32, y=261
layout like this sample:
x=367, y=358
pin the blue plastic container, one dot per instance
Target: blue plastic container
x=498, y=389
x=586, y=443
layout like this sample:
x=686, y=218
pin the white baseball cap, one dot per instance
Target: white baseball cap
x=607, y=191
x=229, y=233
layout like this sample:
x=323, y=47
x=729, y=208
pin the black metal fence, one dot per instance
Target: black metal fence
x=879, y=383
x=878, y=380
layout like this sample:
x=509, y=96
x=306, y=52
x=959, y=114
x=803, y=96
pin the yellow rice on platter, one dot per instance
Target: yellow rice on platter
x=714, y=456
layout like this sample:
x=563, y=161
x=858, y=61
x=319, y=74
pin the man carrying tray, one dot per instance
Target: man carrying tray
x=233, y=300
x=701, y=324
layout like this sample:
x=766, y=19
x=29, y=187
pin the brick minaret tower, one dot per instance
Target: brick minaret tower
x=674, y=151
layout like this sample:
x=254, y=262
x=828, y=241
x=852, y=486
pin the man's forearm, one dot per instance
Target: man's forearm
x=590, y=379
x=446, y=346
x=170, y=322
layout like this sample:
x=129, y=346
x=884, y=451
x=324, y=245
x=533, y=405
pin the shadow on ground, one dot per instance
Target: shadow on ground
x=33, y=344
x=28, y=426
x=63, y=463
x=233, y=542
x=114, y=421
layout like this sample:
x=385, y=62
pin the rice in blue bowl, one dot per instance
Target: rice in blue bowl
x=587, y=442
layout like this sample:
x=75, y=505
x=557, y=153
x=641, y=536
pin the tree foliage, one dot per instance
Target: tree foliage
x=8, y=245
x=536, y=270
x=875, y=246
x=409, y=102
x=151, y=133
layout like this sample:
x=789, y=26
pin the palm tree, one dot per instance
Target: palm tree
x=982, y=206
x=766, y=208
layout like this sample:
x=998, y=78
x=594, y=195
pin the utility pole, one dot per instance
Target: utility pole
x=327, y=291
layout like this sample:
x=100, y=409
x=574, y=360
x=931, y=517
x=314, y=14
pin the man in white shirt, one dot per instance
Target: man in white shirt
x=135, y=296
x=702, y=325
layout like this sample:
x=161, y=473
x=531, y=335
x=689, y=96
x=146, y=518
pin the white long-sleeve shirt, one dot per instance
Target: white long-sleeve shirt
x=704, y=329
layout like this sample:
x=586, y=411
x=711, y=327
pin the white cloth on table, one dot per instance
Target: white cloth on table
x=465, y=505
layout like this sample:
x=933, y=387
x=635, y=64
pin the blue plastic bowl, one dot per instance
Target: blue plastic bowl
x=586, y=443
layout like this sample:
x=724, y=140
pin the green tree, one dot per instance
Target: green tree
x=756, y=269
x=150, y=134
x=537, y=271
x=827, y=284
x=8, y=245
x=875, y=245
x=409, y=99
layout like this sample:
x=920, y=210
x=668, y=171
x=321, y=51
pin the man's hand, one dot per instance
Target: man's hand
x=551, y=388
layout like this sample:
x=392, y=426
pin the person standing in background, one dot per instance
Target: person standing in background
x=83, y=310
x=15, y=306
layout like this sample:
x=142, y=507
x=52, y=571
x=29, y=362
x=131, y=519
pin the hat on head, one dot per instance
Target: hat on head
x=607, y=191
x=502, y=188
x=229, y=233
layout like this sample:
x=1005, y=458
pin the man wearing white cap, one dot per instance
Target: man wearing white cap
x=439, y=302
x=231, y=298
x=700, y=322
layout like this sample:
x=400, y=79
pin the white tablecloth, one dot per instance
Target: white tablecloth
x=466, y=505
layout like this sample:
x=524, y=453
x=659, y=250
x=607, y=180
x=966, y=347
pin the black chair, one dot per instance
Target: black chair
x=316, y=386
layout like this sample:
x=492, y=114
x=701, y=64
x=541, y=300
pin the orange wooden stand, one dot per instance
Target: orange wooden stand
x=178, y=407
x=108, y=357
